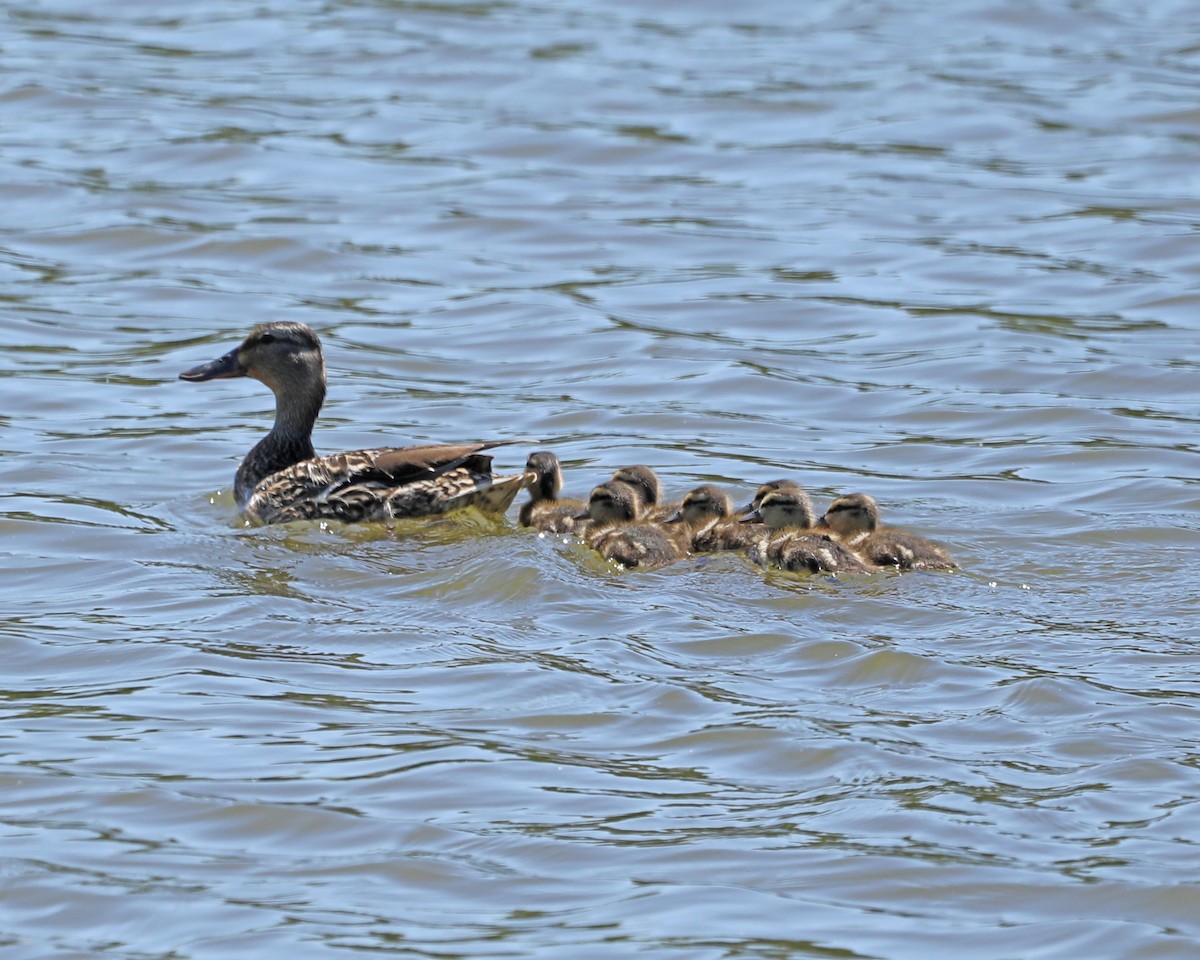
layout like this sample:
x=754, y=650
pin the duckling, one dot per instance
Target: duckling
x=545, y=509
x=645, y=482
x=771, y=486
x=282, y=478
x=791, y=543
x=855, y=520
x=749, y=513
x=707, y=513
x=617, y=532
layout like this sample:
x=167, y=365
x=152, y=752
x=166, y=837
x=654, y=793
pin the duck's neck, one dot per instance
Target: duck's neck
x=547, y=487
x=289, y=441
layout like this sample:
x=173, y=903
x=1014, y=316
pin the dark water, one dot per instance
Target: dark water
x=946, y=254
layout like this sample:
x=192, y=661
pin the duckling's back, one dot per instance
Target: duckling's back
x=892, y=548
x=640, y=545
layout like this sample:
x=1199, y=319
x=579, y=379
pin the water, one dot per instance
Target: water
x=944, y=255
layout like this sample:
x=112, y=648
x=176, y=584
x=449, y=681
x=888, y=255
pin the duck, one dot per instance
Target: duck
x=707, y=513
x=770, y=487
x=545, y=509
x=618, y=532
x=792, y=543
x=282, y=478
x=854, y=518
x=646, y=484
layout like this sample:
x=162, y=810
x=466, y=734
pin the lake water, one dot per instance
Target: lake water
x=943, y=253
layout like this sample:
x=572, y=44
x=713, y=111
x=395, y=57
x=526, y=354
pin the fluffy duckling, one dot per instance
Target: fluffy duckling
x=855, y=520
x=282, y=478
x=753, y=519
x=646, y=484
x=707, y=513
x=617, y=533
x=771, y=486
x=545, y=509
x=791, y=543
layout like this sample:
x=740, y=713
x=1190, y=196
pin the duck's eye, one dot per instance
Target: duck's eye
x=266, y=338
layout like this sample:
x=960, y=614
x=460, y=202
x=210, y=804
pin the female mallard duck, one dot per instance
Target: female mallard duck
x=282, y=478
x=855, y=519
x=617, y=533
x=707, y=513
x=791, y=543
x=545, y=509
x=645, y=483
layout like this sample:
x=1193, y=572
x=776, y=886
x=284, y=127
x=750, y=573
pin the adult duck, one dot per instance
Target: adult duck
x=855, y=520
x=282, y=478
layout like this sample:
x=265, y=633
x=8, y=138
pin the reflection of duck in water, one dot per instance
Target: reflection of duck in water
x=855, y=520
x=707, y=514
x=617, y=533
x=282, y=478
x=649, y=491
x=791, y=543
x=545, y=509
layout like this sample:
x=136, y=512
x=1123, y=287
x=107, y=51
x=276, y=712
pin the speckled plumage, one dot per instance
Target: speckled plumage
x=617, y=533
x=282, y=478
x=707, y=514
x=791, y=543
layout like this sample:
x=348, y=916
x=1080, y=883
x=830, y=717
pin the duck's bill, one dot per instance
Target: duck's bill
x=219, y=369
x=585, y=515
x=752, y=517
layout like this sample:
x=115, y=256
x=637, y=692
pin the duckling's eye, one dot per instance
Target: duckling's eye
x=266, y=338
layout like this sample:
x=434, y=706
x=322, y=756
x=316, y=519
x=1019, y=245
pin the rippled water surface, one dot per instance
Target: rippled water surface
x=946, y=254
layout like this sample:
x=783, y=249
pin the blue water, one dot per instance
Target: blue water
x=944, y=255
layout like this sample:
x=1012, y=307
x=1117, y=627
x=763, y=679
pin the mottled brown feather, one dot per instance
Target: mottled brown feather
x=282, y=478
x=617, y=533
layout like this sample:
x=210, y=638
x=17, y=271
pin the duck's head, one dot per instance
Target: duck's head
x=644, y=482
x=781, y=509
x=285, y=356
x=771, y=486
x=612, y=502
x=547, y=471
x=703, y=504
x=852, y=514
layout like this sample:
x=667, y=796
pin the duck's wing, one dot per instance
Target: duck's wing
x=400, y=465
x=385, y=482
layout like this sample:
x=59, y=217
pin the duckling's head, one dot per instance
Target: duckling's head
x=644, y=482
x=781, y=509
x=285, y=356
x=612, y=502
x=853, y=514
x=771, y=486
x=547, y=471
x=703, y=504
